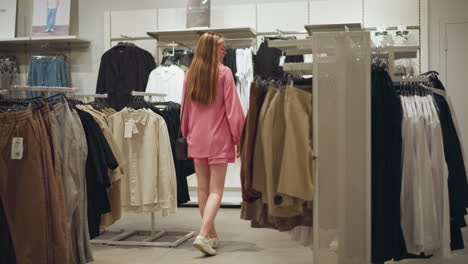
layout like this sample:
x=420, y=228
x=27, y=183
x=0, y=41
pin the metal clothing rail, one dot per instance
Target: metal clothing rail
x=146, y=238
x=90, y=97
x=149, y=95
x=395, y=53
x=45, y=89
x=411, y=79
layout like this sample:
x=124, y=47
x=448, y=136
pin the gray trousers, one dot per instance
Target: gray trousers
x=72, y=152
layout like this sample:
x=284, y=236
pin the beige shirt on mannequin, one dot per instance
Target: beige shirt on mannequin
x=53, y=3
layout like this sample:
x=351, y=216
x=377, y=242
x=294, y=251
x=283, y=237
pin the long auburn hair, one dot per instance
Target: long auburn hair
x=202, y=76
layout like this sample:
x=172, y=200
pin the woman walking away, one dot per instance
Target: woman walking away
x=212, y=121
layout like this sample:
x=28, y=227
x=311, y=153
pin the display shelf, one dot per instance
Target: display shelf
x=394, y=53
x=55, y=42
x=400, y=52
x=393, y=28
x=184, y=35
x=406, y=52
x=13, y=40
x=333, y=27
x=298, y=68
x=293, y=47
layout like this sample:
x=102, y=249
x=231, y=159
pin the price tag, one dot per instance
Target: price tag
x=17, y=148
x=128, y=132
x=282, y=60
x=135, y=128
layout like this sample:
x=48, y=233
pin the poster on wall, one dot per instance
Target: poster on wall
x=7, y=19
x=198, y=13
x=51, y=18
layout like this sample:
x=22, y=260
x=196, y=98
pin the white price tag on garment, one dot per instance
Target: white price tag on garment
x=17, y=148
x=128, y=132
x=134, y=127
x=282, y=60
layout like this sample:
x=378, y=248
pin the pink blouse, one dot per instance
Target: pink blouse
x=212, y=131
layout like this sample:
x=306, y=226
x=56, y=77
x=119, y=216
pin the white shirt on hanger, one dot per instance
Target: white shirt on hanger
x=425, y=215
x=167, y=80
x=149, y=183
x=440, y=174
x=245, y=76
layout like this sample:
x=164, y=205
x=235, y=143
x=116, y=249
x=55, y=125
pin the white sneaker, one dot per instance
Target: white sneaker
x=214, y=242
x=203, y=244
x=52, y=30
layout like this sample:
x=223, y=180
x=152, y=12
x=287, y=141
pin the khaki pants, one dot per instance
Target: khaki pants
x=31, y=190
x=58, y=218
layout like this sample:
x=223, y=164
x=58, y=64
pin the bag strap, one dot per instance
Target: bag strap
x=182, y=109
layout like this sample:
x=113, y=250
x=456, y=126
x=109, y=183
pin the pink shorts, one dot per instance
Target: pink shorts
x=208, y=161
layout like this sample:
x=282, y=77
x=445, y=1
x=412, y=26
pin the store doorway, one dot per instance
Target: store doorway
x=454, y=58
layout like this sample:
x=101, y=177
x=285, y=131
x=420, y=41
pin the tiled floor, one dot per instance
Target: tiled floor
x=240, y=243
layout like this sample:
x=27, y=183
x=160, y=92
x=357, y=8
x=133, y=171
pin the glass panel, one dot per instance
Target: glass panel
x=342, y=143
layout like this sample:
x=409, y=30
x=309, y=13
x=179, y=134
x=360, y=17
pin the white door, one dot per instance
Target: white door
x=456, y=74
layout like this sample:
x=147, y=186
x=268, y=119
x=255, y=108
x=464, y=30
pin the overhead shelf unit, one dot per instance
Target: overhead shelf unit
x=298, y=68
x=293, y=46
x=333, y=27
x=187, y=38
x=393, y=53
x=185, y=35
x=66, y=42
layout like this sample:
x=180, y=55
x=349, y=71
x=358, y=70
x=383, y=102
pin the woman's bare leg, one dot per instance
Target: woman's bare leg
x=217, y=179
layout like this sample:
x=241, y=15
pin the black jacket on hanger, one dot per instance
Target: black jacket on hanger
x=184, y=168
x=267, y=60
x=387, y=236
x=457, y=181
x=230, y=60
x=123, y=69
x=100, y=159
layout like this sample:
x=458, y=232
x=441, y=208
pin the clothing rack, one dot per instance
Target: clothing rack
x=45, y=89
x=150, y=237
x=90, y=96
x=149, y=95
x=394, y=53
x=411, y=79
x=298, y=68
x=85, y=97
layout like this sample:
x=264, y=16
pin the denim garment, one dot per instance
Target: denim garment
x=48, y=72
x=51, y=16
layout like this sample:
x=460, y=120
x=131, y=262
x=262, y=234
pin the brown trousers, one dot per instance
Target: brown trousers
x=31, y=190
x=247, y=142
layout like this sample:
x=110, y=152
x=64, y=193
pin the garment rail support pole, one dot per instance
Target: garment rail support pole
x=153, y=225
x=173, y=48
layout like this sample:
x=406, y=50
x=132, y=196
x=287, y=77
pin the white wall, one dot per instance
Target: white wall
x=440, y=10
x=88, y=21
x=7, y=18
